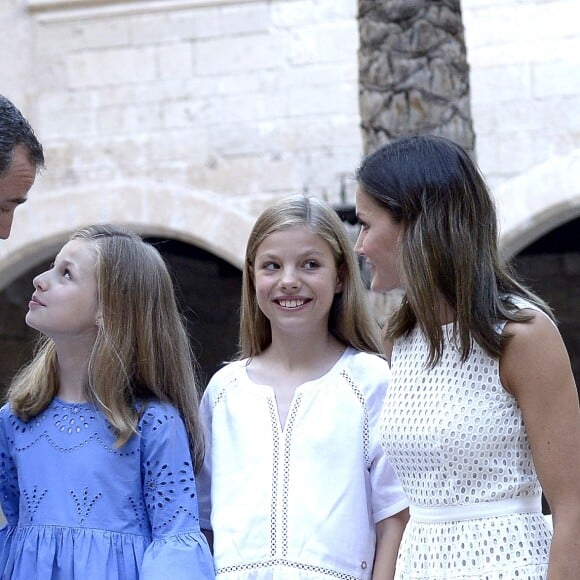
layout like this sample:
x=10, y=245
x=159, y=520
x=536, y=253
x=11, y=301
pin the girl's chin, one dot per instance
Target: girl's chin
x=28, y=321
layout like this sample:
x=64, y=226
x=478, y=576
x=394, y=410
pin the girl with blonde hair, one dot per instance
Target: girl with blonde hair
x=294, y=483
x=100, y=439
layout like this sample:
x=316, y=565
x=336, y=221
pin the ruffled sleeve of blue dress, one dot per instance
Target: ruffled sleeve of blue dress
x=178, y=547
x=79, y=507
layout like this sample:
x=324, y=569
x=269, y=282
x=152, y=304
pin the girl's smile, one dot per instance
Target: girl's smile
x=293, y=303
x=295, y=273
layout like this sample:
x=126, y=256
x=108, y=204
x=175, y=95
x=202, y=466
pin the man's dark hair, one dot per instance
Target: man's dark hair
x=16, y=130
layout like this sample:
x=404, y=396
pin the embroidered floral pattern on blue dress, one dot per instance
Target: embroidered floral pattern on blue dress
x=77, y=507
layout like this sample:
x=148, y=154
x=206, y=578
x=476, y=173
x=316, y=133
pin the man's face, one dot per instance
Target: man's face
x=15, y=183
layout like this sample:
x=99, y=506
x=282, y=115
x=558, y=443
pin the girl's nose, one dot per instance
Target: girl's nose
x=39, y=282
x=290, y=279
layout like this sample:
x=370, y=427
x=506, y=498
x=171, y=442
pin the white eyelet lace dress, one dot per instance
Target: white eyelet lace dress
x=457, y=441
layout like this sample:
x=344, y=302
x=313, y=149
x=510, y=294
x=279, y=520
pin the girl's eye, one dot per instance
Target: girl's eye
x=66, y=273
x=269, y=266
x=311, y=264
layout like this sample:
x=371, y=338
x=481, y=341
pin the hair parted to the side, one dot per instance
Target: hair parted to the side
x=141, y=352
x=350, y=319
x=16, y=130
x=449, y=246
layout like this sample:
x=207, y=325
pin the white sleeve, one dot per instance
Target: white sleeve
x=204, y=476
x=387, y=496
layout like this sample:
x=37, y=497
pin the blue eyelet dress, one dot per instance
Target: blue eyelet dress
x=77, y=507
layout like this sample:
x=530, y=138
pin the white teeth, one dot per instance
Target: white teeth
x=291, y=303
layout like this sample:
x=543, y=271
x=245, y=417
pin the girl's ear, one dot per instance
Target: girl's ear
x=339, y=278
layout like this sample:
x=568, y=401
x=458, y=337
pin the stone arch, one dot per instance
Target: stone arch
x=202, y=218
x=538, y=201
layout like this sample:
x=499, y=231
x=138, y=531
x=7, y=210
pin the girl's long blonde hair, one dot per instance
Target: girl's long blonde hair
x=350, y=318
x=141, y=352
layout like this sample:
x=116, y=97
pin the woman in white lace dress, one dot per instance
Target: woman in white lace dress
x=482, y=412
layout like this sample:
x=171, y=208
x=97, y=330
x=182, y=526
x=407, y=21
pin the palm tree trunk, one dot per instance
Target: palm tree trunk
x=414, y=76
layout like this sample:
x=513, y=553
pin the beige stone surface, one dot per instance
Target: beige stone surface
x=249, y=100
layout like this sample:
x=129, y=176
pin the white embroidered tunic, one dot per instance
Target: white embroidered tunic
x=300, y=502
x=457, y=440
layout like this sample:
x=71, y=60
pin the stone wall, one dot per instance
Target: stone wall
x=249, y=99
x=525, y=87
